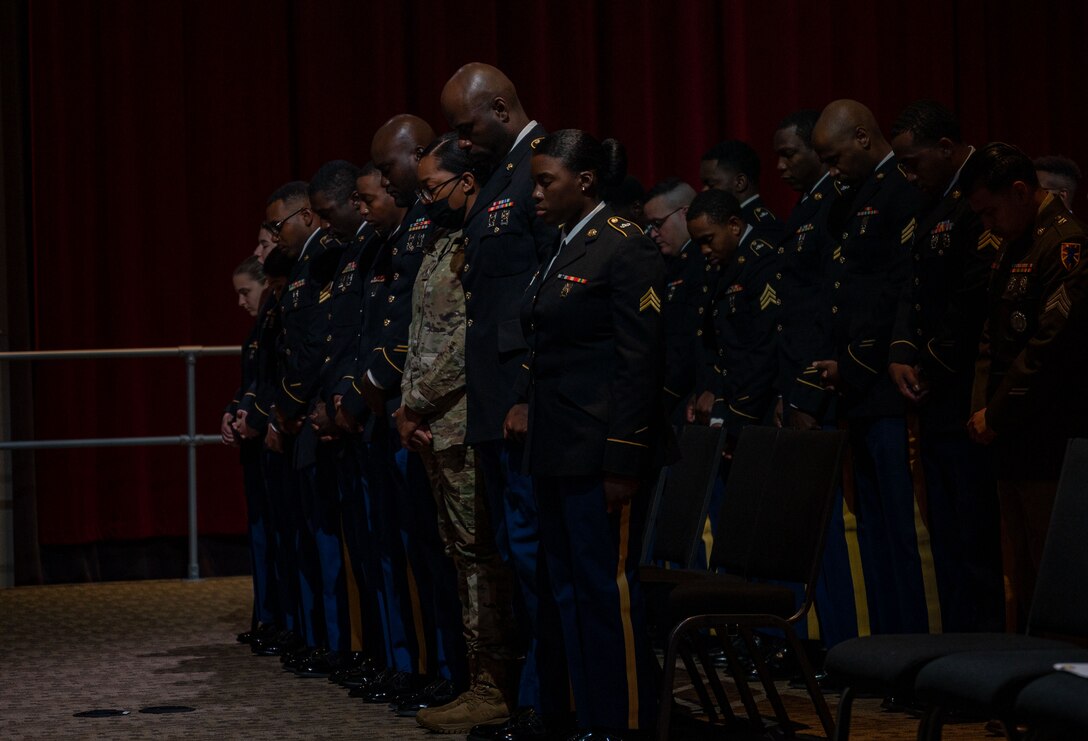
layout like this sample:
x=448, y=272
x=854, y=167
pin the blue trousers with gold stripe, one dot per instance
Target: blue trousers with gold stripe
x=962, y=514
x=402, y=632
x=515, y=522
x=261, y=539
x=879, y=487
x=278, y=472
x=320, y=496
x=361, y=544
x=590, y=591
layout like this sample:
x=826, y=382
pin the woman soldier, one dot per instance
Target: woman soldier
x=595, y=434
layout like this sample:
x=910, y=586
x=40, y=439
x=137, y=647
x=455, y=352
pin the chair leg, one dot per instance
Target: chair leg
x=842, y=722
x=814, y=691
x=737, y=672
x=931, y=724
x=698, y=685
x=715, y=684
x=1012, y=733
x=767, y=681
x=664, y=714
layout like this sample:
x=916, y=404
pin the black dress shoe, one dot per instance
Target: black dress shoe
x=276, y=645
x=295, y=659
x=355, y=678
x=394, y=688
x=524, y=725
x=434, y=695
x=356, y=672
x=321, y=665
x=380, y=678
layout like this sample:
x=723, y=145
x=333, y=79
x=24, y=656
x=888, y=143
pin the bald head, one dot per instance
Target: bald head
x=848, y=140
x=395, y=150
x=482, y=106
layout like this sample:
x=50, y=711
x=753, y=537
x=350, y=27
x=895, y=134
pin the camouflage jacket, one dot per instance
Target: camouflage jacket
x=434, y=373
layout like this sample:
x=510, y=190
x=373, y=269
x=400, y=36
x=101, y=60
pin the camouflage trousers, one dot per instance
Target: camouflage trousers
x=484, y=583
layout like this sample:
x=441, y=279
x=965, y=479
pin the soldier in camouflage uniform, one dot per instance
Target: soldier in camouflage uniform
x=432, y=420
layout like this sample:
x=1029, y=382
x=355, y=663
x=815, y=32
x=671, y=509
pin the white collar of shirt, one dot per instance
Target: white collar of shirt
x=524, y=133
x=567, y=236
x=956, y=177
x=747, y=231
x=360, y=229
x=887, y=157
x=814, y=187
x=749, y=200
x=308, y=240
x=683, y=247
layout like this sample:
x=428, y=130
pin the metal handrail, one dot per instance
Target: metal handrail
x=191, y=440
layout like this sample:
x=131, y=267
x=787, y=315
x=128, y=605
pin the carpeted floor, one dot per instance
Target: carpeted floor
x=133, y=645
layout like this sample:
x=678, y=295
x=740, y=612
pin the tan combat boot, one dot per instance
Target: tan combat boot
x=482, y=704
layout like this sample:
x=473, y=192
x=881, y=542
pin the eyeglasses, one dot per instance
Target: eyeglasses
x=275, y=227
x=430, y=196
x=656, y=224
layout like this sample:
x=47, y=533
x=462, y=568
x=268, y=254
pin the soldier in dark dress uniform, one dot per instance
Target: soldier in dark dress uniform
x=595, y=430
x=743, y=306
x=321, y=586
x=798, y=287
x=1027, y=401
x=504, y=244
x=378, y=472
x=733, y=166
x=932, y=362
x=251, y=424
x=687, y=291
x=250, y=286
x=871, y=225
x=396, y=148
x=337, y=478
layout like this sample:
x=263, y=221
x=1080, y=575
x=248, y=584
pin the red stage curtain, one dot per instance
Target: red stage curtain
x=158, y=129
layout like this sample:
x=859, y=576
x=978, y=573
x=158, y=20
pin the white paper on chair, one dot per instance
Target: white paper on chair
x=1081, y=670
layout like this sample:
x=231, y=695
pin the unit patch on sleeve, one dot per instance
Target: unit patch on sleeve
x=1070, y=255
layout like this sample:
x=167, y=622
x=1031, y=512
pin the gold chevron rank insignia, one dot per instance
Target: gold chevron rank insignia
x=1059, y=302
x=908, y=231
x=650, y=300
x=768, y=298
x=988, y=240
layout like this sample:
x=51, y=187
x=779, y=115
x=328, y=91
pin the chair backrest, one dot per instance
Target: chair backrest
x=774, y=523
x=1060, y=604
x=791, y=525
x=679, y=508
x=744, y=488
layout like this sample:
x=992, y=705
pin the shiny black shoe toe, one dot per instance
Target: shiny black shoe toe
x=434, y=695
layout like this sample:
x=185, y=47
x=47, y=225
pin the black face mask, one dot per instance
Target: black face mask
x=443, y=216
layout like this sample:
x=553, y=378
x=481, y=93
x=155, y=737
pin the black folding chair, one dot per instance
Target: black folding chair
x=894, y=664
x=678, y=511
x=679, y=514
x=1055, y=705
x=772, y=528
